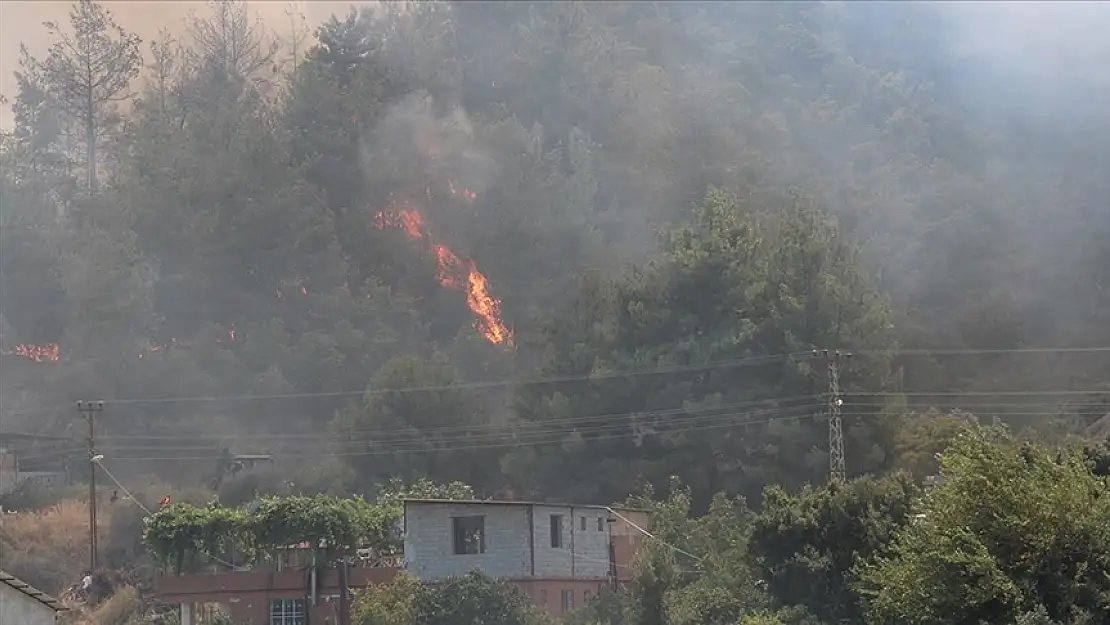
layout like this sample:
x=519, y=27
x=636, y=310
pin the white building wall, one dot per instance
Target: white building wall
x=584, y=554
x=8, y=481
x=429, y=541
x=17, y=608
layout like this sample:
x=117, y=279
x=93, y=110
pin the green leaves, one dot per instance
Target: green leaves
x=333, y=525
x=806, y=546
x=1015, y=527
x=749, y=275
x=181, y=530
x=474, y=598
x=330, y=524
x=1016, y=533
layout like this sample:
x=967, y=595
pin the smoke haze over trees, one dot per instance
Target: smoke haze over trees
x=557, y=249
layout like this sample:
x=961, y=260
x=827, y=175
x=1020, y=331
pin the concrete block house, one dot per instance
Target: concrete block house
x=560, y=555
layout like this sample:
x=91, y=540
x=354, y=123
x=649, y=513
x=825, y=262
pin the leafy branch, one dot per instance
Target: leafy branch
x=325, y=522
x=332, y=525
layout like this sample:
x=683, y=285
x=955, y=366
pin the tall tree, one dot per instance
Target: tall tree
x=88, y=69
x=742, y=279
x=1015, y=530
x=230, y=43
x=806, y=546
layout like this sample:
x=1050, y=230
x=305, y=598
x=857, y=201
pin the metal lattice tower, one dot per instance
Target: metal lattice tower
x=836, y=426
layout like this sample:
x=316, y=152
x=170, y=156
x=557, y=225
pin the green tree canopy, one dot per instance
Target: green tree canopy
x=1015, y=530
x=745, y=279
x=806, y=546
x=471, y=599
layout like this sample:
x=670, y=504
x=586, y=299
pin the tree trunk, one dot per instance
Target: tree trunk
x=90, y=143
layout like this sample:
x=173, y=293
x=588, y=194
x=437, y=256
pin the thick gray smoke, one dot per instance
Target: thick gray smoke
x=1046, y=60
x=413, y=136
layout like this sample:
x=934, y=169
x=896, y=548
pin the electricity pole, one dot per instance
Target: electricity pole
x=612, y=555
x=88, y=409
x=834, y=359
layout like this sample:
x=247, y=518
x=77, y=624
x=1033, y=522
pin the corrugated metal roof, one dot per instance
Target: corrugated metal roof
x=32, y=592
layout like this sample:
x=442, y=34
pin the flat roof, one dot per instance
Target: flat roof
x=23, y=436
x=32, y=592
x=502, y=502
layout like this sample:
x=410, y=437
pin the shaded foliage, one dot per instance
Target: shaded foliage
x=674, y=205
x=473, y=598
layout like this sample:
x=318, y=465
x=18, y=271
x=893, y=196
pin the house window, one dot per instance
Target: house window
x=568, y=600
x=583, y=523
x=556, y=531
x=543, y=597
x=470, y=534
x=600, y=524
x=585, y=597
x=287, y=612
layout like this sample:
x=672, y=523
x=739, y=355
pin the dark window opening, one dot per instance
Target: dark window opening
x=600, y=524
x=287, y=612
x=556, y=531
x=568, y=601
x=470, y=534
x=583, y=523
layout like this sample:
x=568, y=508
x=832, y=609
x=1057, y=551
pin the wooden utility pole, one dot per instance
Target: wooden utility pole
x=834, y=359
x=612, y=555
x=88, y=409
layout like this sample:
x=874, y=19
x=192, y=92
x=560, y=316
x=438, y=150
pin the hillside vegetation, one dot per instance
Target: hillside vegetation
x=556, y=251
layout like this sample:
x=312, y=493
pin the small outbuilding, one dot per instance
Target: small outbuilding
x=23, y=604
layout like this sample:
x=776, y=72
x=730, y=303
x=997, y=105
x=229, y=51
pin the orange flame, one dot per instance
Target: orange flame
x=450, y=271
x=48, y=352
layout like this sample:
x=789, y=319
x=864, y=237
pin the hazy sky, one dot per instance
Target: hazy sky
x=21, y=22
x=1042, y=41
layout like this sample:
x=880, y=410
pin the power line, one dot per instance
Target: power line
x=663, y=369
x=769, y=403
x=525, y=428
x=1088, y=392
x=339, y=439
x=643, y=531
x=124, y=489
x=161, y=434
x=707, y=422
x=519, y=429
x=604, y=375
x=511, y=433
x=723, y=364
x=984, y=352
x=510, y=445
x=560, y=434
x=148, y=512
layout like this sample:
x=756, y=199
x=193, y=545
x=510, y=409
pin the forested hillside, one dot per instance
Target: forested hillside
x=550, y=249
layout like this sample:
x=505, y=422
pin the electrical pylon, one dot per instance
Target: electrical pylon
x=834, y=359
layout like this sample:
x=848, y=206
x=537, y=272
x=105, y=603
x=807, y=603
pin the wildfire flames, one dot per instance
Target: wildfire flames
x=48, y=352
x=452, y=272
